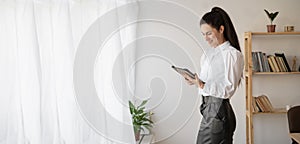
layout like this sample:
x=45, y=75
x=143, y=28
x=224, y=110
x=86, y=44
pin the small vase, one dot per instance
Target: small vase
x=271, y=28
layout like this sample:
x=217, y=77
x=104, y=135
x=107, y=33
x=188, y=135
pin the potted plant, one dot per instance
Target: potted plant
x=140, y=118
x=272, y=16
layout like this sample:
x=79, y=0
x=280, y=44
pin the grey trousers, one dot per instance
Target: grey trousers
x=218, y=122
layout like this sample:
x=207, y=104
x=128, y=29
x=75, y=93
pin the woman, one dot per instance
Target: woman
x=220, y=74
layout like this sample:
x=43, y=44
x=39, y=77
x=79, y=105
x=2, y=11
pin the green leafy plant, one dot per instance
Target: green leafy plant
x=271, y=16
x=140, y=118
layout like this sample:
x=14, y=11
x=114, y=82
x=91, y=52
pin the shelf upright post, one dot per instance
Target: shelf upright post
x=248, y=81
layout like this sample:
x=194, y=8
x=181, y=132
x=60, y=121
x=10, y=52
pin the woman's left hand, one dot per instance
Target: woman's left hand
x=196, y=81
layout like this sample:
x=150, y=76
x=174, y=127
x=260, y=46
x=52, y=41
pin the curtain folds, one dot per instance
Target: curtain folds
x=37, y=49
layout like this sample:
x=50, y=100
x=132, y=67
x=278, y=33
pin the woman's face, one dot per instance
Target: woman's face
x=213, y=36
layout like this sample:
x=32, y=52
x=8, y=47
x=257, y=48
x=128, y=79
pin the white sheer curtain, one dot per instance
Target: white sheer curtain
x=38, y=40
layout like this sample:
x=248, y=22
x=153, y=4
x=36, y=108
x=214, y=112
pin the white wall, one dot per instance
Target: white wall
x=167, y=36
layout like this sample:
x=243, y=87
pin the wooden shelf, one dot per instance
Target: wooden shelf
x=271, y=73
x=275, y=33
x=274, y=73
x=275, y=111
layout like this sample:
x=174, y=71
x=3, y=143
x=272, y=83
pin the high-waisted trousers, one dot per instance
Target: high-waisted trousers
x=218, y=122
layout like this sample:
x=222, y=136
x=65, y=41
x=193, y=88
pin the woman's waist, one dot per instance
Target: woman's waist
x=213, y=99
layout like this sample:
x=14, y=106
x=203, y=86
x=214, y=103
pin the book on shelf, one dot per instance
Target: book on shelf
x=255, y=63
x=269, y=63
x=284, y=60
x=267, y=102
x=262, y=104
x=281, y=69
x=255, y=107
x=260, y=62
x=283, y=64
x=274, y=62
x=266, y=64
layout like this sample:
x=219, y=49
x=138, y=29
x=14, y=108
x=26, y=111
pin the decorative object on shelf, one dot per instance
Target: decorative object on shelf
x=288, y=28
x=287, y=107
x=272, y=16
x=140, y=118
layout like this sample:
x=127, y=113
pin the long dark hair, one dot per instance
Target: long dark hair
x=218, y=17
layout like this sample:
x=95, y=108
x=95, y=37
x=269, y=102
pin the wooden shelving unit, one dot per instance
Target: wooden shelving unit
x=249, y=77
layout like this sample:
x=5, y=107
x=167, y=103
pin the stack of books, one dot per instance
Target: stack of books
x=271, y=63
x=262, y=104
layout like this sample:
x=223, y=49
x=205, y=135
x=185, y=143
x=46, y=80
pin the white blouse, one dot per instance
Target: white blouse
x=221, y=70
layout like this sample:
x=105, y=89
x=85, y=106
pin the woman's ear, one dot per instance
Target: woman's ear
x=221, y=29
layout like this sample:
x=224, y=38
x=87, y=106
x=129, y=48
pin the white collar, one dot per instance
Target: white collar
x=223, y=45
